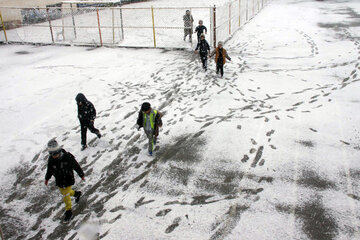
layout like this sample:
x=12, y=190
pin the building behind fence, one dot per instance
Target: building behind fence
x=83, y=23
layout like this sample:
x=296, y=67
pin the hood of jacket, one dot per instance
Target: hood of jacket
x=81, y=98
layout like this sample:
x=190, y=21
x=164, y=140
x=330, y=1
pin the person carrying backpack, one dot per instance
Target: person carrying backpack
x=86, y=115
x=150, y=120
x=61, y=165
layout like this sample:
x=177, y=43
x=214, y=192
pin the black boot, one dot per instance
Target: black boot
x=77, y=196
x=83, y=147
x=68, y=215
x=98, y=134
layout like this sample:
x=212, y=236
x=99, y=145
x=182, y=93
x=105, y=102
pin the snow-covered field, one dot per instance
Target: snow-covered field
x=271, y=151
x=133, y=26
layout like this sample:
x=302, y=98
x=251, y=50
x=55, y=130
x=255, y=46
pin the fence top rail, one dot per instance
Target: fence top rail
x=93, y=7
x=93, y=2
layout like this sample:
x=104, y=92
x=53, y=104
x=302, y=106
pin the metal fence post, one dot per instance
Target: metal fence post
x=51, y=30
x=3, y=26
x=229, y=18
x=122, y=25
x=98, y=18
x=211, y=26
x=63, y=28
x=73, y=19
x=239, y=13
x=214, y=16
x=253, y=8
x=153, y=23
x=247, y=10
x=113, y=23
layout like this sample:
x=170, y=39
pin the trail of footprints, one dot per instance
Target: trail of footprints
x=114, y=178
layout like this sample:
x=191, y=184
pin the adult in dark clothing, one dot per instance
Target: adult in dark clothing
x=200, y=30
x=188, y=25
x=86, y=115
x=61, y=165
x=220, y=55
x=150, y=120
x=204, y=48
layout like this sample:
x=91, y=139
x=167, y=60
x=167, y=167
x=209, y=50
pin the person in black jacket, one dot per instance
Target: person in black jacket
x=200, y=30
x=204, y=48
x=150, y=120
x=86, y=115
x=61, y=165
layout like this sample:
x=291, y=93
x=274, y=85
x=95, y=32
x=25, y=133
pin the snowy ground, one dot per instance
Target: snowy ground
x=269, y=152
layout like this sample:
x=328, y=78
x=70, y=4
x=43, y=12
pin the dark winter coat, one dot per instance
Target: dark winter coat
x=200, y=29
x=158, y=121
x=86, y=111
x=62, y=169
x=204, y=47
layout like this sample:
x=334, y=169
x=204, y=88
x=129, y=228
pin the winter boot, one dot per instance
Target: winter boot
x=150, y=154
x=83, y=147
x=98, y=134
x=77, y=196
x=68, y=215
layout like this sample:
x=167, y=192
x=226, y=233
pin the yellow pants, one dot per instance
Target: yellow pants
x=67, y=193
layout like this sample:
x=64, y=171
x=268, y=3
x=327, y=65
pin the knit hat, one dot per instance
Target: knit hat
x=201, y=22
x=53, y=146
x=221, y=43
x=202, y=35
x=145, y=106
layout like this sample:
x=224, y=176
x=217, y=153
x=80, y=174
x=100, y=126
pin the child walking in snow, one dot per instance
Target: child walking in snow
x=204, y=48
x=61, y=165
x=150, y=120
x=200, y=30
x=86, y=115
x=220, y=58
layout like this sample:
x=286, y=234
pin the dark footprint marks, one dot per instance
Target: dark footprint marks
x=22, y=52
x=258, y=156
x=313, y=180
x=307, y=143
x=163, y=212
x=207, y=124
x=318, y=222
x=141, y=202
x=270, y=133
x=273, y=147
x=245, y=158
x=174, y=225
x=231, y=218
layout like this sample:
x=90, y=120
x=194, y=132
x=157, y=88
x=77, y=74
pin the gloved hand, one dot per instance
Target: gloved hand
x=46, y=182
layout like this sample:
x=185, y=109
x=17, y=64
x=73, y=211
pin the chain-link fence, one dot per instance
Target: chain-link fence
x=123, y=26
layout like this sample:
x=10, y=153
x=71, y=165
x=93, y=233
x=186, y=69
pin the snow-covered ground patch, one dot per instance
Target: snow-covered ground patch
x=268, y=152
